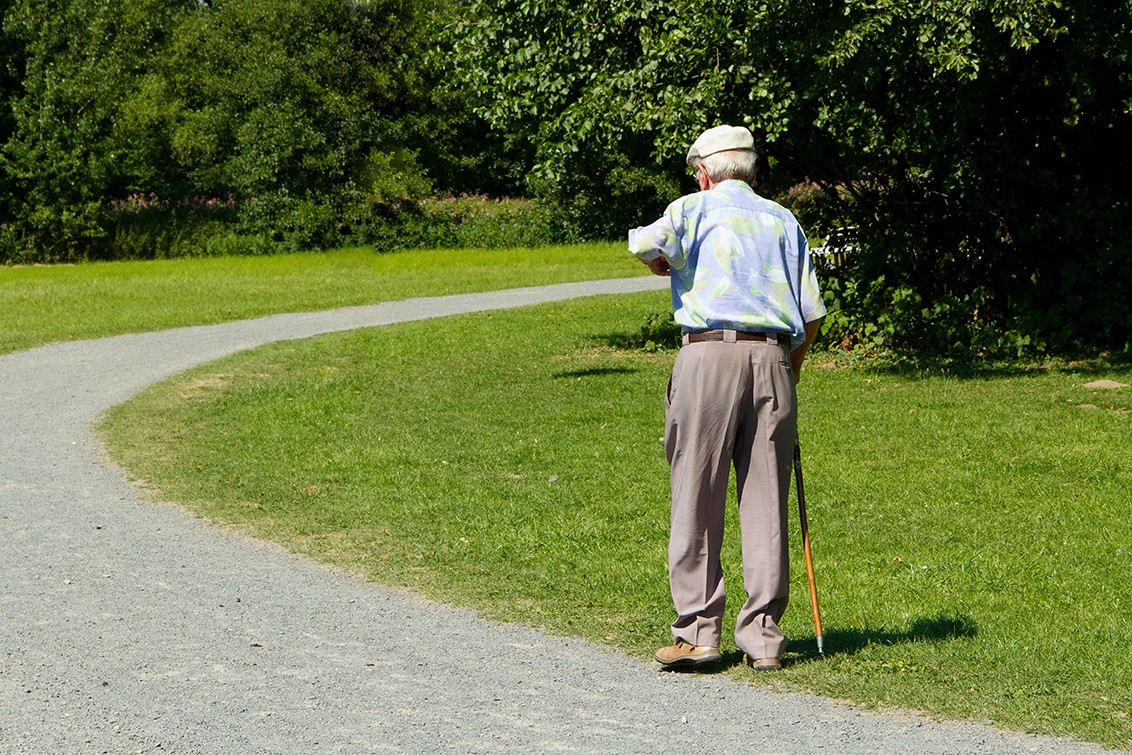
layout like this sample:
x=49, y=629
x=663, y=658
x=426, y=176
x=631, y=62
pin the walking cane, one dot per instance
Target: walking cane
x=806, y=543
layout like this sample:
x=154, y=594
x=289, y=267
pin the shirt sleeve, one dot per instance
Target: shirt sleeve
x=661, y=239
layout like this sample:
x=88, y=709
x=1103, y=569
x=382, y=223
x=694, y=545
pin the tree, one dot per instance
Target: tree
x=977, y=143
x=11, y=74
x=80, y=64
x=975, y=146
x=303, y=116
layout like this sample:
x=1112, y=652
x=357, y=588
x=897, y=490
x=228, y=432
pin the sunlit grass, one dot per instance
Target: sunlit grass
x=972, y=535
x=41, y=304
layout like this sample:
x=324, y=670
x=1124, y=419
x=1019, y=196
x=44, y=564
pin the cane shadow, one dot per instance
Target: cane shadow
x=937, y=629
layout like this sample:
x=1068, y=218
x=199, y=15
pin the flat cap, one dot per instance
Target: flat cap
x=720, y=139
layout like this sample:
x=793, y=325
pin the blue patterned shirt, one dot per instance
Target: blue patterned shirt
x=738, y=261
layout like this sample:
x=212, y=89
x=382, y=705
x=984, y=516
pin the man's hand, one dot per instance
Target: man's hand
x=798, y=355
x=659, y=266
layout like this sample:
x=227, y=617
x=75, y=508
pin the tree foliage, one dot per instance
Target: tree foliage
x=303, y=116
x=975, y=146
x=81, y=63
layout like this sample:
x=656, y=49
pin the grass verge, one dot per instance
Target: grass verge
x=41, y=304
x=973, y=548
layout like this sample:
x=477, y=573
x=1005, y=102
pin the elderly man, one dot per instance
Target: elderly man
x=746, y=297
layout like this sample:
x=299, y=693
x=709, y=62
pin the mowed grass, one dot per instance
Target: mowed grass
x=41, y=304
x=971, y=534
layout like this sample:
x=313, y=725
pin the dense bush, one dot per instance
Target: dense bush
x=472, y=222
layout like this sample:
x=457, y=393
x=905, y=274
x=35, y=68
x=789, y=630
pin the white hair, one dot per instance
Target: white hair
x=733, y=163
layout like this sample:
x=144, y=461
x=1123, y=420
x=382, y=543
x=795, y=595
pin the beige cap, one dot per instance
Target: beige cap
x=720, y=139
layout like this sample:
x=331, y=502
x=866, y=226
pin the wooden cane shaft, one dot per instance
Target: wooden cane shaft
x=806, y=541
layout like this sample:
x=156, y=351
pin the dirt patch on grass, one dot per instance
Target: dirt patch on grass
x=1106, y=384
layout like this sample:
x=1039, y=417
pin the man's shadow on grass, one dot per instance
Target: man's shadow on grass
x=944, y=628
x=850, y=641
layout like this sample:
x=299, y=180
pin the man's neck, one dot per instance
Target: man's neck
x=708, y=184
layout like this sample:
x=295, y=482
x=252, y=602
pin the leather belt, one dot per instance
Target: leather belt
x=737, y=335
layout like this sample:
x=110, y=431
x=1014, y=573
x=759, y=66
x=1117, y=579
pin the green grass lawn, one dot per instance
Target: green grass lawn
x=40, y=304
x=971, y=534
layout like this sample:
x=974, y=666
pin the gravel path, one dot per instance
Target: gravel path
x=127, y=626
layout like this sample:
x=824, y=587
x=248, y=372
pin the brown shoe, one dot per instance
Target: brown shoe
x=762, y=664
x=683, y=654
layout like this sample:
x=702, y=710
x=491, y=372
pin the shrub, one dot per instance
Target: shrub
x=659, y=332
x=146, y=226
x=464, y=221
x=485, y=223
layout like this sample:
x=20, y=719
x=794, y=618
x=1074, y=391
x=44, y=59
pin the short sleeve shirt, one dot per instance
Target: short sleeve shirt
x=738, y=261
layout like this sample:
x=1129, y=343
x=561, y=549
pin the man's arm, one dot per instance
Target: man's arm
x=657, y=245
x=798, y=355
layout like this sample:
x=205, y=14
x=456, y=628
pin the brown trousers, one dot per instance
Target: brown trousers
x=730, y=404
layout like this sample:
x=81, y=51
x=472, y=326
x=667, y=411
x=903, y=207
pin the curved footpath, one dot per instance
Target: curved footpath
x=129, y=626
